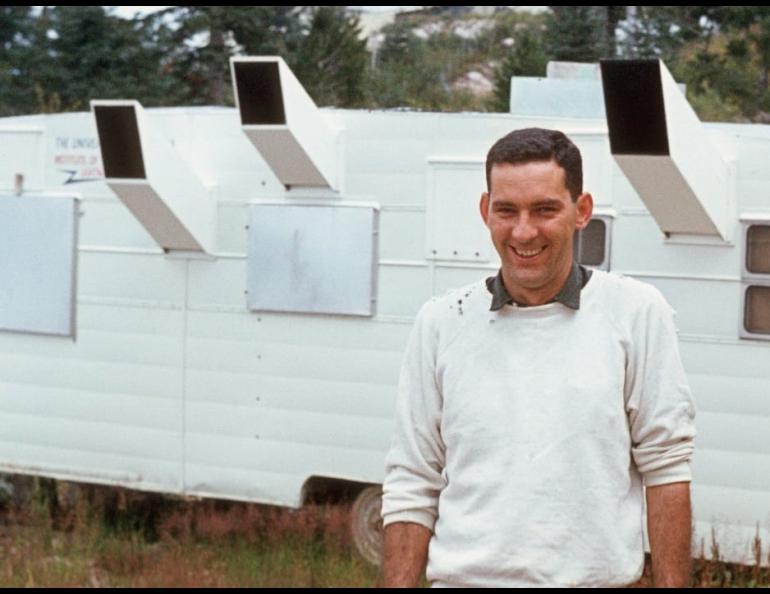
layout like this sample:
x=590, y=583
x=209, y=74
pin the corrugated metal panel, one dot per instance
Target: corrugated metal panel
x=734, y=468
x=393, y=299
x=354, y=399
x=275, y=359
x=727, y=394
x=107, y=408
x=649, y=254
x=107, y=222
x=709, y=503
x=746, y=359
x=223, y=482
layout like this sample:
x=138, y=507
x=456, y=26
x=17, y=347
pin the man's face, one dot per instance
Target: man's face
x=532, y=218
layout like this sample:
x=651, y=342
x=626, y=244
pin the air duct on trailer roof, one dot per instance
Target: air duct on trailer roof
x=661, y=146
x=150, y=178
x=283, y=123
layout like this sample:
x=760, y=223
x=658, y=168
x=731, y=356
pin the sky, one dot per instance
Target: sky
x=130, y=11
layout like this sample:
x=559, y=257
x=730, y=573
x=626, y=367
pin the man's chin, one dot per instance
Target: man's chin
x=529, y=282
x=524, y=274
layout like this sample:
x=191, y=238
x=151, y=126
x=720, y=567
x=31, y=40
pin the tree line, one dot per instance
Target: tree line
x=57, y=58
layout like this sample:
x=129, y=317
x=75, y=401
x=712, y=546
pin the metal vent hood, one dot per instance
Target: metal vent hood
x=283, y=123
x=661, y=146
x=151, y=179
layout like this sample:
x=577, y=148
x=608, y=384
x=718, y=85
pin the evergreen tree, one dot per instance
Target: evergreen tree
x=17, y=50
x=206, y=36
x=93, y=54
x=577, y=33
x=331, y=59
x=58, y=58
x=527, y=58
x=722, y=54
x=407, y=75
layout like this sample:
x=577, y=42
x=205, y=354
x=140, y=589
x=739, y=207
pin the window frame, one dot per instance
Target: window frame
x=750, y=279
x=606, y=217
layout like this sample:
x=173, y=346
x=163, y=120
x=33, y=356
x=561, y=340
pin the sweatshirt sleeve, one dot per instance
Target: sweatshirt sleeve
x=414, y=464
x=659, y=404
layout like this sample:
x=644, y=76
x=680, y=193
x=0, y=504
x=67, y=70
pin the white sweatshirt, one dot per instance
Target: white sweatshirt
x=522, y=435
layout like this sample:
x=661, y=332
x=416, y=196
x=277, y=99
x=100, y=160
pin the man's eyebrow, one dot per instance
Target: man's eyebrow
x=538, y=202
x=548, y=202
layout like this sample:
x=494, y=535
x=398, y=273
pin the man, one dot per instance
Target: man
x=534, y=406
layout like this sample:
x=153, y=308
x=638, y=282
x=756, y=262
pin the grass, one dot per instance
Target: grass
x=191, y=544
x=107, y=537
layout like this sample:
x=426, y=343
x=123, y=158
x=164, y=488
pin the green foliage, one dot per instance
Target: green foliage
x=527, y=58
x=331, y=59
x=15, y=37
x=406, y=72
x=58, y=58
x=64, y=56
x=96, y=55
x=577, y=33
x=722, y=54
x=204, y=37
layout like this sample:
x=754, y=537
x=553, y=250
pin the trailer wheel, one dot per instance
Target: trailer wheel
x=366, y=525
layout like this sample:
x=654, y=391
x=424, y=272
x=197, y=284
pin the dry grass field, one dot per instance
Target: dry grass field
x=118, y=538
x=108, y=537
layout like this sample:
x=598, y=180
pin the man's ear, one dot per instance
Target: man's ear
x=484, y=207
x=585, y=208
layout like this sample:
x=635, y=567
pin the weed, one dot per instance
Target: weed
x=103, y=537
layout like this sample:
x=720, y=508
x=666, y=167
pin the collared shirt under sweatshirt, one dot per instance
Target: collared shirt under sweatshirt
x=524, y=435
x=569, y=294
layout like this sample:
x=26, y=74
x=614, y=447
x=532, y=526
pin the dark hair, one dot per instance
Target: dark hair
x=539, y=144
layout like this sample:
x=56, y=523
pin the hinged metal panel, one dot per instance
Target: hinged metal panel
x=38, y=243
x=312, y=258
x=21, y=153
x=456, y=231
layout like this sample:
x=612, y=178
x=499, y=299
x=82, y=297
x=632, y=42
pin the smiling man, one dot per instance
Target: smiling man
x=534, y=406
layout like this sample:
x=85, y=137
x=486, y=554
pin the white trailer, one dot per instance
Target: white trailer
x=214, y=302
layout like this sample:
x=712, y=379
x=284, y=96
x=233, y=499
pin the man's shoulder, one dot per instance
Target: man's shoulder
x=626, y=286
x=625, y=297
x=456, y=305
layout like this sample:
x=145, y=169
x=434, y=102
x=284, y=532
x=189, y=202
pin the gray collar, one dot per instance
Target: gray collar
x=569, y=294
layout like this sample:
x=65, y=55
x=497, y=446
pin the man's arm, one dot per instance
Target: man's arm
x=405, y=554
x=661, y=412
x=414, y=464
x=669, y=527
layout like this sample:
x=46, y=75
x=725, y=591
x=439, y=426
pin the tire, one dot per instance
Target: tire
x=366, y=525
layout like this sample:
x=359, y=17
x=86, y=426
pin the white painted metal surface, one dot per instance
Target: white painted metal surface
x=286, y=127
x=683, y=179
x=162, y=192
x=38, y=264
x=21, y=153
x=313, y=258
x=538, y=96
x=173, y=385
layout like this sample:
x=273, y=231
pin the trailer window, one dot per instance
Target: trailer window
x=758, y=249
x=590, y=244
x=757, y=310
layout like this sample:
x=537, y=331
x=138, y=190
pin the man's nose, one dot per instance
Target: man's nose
x=524, y=230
